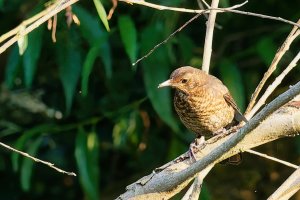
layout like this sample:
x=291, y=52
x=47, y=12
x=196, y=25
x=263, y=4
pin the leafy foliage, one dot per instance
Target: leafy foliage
x=80, y=104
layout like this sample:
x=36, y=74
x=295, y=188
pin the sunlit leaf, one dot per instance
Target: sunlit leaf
x=87, y=158
x=32, y=54
x=27, y=165
x=232, y=78
x=12, y=66
x=102, y=13
x=125, y=130
x=156, y=70
x=128, y=36
x=90, y=26
x=22, y=40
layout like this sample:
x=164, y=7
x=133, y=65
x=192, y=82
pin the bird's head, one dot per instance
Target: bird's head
x=184, y=79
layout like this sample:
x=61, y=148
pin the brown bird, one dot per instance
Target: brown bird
x=202, y=101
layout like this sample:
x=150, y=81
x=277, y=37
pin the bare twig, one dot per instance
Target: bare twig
x=290, y=186
x=272, y=158
x=193, y=192
x=178, y=30
x=210, y=25
x=37, y=160
x=273, y=86
x=56, y=9
x=281, y=51
x=201, y=6
x=221, y=10
x=27, y=22
x=165, y=41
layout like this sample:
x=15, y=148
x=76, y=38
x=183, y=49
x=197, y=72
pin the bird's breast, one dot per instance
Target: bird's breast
x=202, y=112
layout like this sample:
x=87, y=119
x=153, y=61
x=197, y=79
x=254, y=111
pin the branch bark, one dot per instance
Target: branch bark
x=265, y=127
x=210, y=25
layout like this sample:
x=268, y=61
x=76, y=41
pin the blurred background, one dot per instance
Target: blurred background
x=80, y=104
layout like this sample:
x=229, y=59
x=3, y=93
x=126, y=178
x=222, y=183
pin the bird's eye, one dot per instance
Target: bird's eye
x=184, y=80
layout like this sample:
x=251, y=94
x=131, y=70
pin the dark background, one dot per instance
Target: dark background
x=79, y=103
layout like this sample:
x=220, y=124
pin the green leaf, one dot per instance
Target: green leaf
x=70, y=69
x=128, y=36
x=32, y=55
x=87, y=68
x=12, y=66
x=102, y=13
x=27, y=165
x=89, y=26
x=21, y=141
x=105, y=55
x=156, y=70
x=205, y=194
x=93, y=53
x=93, y=33
x=87, y=158
x=266, y=49
x=186, y=45
x=232, y=78
x=22, y=41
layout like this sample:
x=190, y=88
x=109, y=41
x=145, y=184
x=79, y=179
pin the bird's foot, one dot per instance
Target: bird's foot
x=221, y=131
x=195, y=146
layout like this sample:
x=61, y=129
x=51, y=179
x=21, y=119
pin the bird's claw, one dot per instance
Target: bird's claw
x=195, y=146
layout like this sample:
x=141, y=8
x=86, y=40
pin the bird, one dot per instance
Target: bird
x=203, y=103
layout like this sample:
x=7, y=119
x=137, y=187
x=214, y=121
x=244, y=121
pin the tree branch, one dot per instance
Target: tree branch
x=171, y=178
x=18, y=32
x=273, y=86
x=220, y=10
x=281, y=51
x=210, y=25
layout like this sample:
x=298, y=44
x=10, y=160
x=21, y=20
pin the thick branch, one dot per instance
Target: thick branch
x=210, y=25
x=170, y=179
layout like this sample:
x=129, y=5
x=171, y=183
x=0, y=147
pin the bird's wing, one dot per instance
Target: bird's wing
x=238, y=115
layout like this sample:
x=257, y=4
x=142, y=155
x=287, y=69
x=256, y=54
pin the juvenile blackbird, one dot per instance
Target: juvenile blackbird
x=202, y=101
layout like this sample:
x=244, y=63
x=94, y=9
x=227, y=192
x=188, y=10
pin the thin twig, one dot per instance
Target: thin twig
x=37, y=23
x=193, y=192
x=273, y=86
x=210, y=25
x=281, y=51
x=288, y=188
x=27, y=22
x=165, y=41
x=221, y=10
x=37, y=160
x=178, y=30
x=272, y=158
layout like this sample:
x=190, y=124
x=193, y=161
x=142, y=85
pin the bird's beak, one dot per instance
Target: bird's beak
x=165, y=84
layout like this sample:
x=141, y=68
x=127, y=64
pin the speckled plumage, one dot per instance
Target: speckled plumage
x=202, y=101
